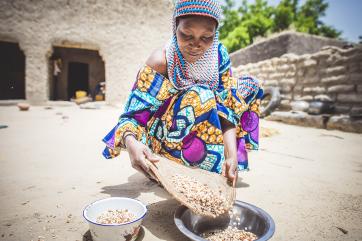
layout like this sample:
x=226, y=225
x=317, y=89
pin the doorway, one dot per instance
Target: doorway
x=12, y=71
x=78, y=78
x=73, y=69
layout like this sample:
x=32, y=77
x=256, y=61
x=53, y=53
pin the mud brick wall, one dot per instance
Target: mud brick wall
x=123, y=32
x=282, y=43
x=330, y=74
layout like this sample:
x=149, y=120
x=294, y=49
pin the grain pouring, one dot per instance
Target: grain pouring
x=201, y=196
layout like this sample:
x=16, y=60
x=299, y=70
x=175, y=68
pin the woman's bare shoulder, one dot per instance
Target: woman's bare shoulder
x=157, y=61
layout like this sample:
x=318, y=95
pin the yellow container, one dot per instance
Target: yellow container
x=80, y=94
x=99, y=98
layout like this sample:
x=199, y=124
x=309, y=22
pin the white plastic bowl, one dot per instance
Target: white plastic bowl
x=114, y=232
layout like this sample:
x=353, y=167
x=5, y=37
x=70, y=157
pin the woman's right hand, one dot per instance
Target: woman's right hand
x=138, y=153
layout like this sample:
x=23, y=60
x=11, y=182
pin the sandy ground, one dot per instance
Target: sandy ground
x=309, y=180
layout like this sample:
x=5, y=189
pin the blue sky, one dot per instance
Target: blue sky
x=344, y=15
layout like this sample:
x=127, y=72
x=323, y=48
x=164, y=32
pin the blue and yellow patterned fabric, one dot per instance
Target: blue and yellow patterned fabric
x=184, y=125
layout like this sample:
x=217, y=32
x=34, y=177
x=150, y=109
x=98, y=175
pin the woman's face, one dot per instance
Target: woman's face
x=195, y=34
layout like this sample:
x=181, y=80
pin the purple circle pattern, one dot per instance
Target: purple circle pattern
x=249, y=121
x=193, y=149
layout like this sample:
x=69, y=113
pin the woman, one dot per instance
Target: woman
x=185, y=105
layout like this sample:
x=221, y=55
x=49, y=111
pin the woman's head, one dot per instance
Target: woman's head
x=195, y=34
x=192, y=53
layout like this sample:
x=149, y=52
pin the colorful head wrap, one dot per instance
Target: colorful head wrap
x=205, y=71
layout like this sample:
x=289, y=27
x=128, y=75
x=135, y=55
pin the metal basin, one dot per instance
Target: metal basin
x=252, y=219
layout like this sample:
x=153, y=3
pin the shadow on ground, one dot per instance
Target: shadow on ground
x=88, y=237
x=241, y=184
x=137, y=184
x=159, y=220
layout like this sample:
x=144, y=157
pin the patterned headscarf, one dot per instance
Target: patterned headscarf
x=205, y=70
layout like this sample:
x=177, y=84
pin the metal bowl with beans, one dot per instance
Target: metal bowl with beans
x=243, y=216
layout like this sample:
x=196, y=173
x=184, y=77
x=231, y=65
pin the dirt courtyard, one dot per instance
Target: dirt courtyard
x=309, y=180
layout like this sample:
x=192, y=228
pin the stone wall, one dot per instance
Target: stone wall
x=331, y=74
x=124, y=33
x=282, y=43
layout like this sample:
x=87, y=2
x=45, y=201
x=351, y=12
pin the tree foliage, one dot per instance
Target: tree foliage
x=241, y=26
x=285, y=14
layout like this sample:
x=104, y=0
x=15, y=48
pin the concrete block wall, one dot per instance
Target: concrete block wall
x=332, y=73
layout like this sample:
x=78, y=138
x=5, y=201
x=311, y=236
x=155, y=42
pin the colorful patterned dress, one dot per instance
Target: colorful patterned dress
x=184, y=125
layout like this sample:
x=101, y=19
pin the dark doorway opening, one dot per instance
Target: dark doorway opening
x=12, y=71
x=78, y=75
x=73, y=69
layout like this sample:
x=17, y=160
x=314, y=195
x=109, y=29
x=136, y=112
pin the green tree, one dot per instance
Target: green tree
x=256, y=18
x=308, y=19
x=285, y=14
x=231, y=19
x=237, y=38
x=240, y=27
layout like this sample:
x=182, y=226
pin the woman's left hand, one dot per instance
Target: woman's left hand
x=230, y=170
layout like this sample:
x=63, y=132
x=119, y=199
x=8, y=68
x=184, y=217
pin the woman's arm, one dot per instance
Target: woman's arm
x=230, y=166
x=130, y=131
x=138, y=151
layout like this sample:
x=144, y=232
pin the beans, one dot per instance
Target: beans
x=201, y=196
x=229, y=234
x=116, y=217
